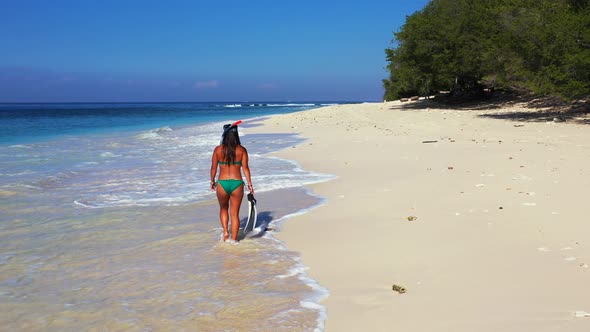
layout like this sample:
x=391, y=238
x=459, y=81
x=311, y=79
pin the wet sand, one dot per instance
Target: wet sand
x=483, y=221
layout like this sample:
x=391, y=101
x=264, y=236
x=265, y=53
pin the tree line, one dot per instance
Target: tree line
x=539, y=47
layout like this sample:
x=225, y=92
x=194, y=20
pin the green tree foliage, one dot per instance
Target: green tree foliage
x=533, y=46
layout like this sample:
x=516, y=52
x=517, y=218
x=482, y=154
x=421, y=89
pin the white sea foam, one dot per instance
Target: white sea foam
x=272, y=105
x=149, y=135
x=319, y=292
x=109, y=155
x=179, y=175
x=154, y=133
x=84, y=205
x=25, y=172
x=299, y=269
x=22, y=185
x=290, y=105
x=265, y=183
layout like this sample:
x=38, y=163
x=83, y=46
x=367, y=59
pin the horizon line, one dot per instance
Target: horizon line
x=184, y=102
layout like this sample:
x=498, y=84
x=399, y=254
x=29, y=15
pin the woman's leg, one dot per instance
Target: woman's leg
x=234, y=207
x=223, y=199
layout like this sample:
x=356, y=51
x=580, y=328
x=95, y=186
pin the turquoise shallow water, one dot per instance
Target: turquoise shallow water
x=115, y=229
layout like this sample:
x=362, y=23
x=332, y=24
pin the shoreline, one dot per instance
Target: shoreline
x=498, y=207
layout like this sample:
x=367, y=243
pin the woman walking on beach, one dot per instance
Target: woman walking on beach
x=230, y=157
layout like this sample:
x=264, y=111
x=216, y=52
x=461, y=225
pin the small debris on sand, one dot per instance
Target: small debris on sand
x=398, y=288
x=559, y=119
x=580, y=313
x=412, y=218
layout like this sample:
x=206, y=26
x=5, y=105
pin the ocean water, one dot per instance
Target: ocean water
x=107, y=222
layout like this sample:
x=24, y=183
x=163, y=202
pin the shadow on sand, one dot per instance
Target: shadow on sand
x=538, y=109
x=264, y=219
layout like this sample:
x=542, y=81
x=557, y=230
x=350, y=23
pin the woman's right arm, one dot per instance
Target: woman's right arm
x=246, y=169
x=214, y=160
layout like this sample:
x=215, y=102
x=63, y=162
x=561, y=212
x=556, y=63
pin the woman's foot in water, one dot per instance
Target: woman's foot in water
x=225, y=236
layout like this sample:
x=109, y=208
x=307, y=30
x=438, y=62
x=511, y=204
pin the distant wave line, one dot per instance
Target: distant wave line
x=270, y=105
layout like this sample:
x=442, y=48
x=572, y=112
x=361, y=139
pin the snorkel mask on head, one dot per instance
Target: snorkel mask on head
x=230, y=127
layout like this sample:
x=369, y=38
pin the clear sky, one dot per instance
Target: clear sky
x=232, y=50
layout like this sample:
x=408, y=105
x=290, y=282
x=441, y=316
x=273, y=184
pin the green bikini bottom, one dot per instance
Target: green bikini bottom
x=230, y=185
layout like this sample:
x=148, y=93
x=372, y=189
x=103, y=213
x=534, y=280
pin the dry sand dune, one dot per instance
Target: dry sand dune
x=483, y=220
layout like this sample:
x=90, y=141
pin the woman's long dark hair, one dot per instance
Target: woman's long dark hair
x=230, y=142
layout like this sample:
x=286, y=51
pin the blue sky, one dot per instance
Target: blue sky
x=123, y=50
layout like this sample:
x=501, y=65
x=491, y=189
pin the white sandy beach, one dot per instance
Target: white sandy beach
x=501, y=236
